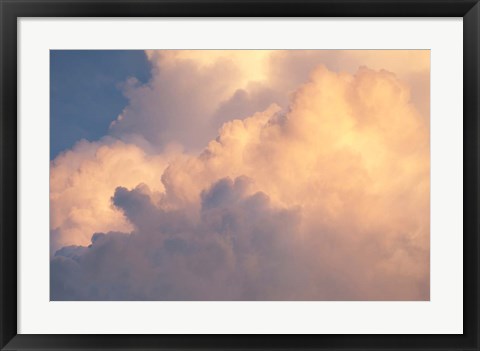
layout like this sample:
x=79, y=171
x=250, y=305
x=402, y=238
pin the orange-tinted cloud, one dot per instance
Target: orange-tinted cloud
x=326, y=198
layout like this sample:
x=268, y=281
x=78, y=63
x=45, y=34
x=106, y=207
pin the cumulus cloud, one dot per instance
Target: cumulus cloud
x=82, y=181
x=193, y=92
x=220, y=256
x=186, y=89
x=326, y=198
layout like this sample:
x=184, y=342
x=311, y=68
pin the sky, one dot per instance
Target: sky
x=86, y=92
x=240, y=175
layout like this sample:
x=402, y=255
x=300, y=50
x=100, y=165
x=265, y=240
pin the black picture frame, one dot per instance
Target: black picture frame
x=11, y=10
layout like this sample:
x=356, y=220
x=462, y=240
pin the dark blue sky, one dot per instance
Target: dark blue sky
x=85, y=93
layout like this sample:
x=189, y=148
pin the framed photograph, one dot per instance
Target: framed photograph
x=239, y=175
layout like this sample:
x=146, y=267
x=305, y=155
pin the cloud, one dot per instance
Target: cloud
x=193, y=92
x=324, y=199
x=181, y=99
x=169, y=257
x=82, y=181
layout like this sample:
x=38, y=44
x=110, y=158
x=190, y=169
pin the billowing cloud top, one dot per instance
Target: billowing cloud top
x=252, y=175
